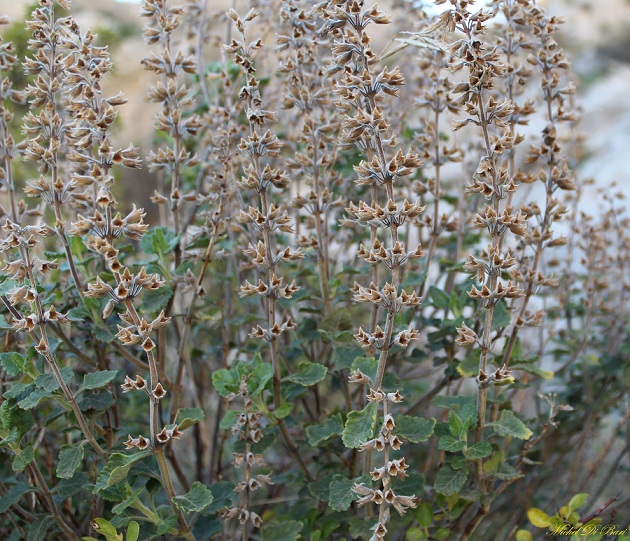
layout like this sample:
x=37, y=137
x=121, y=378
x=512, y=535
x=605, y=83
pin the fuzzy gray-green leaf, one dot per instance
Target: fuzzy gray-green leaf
x=70, y=457
x=341, y=495
x=187, y=417
x=510, y=425
x=449, y=443
x=308, y=374
x=360, y=426
x=23, y=458
x=414, y=429
x=449, y=481
x=316, y=434
x=479, y=450
x=287, y=530
x=196, y=499
x=117, y=469
x=37, y=530
x=96, y=380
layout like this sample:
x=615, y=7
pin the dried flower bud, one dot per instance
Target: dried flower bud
x=159, y=392
x=162, y=437
x=174, y=433
x=394, y=397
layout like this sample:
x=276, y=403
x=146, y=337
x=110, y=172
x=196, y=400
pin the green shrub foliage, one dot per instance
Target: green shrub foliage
x=367, y=305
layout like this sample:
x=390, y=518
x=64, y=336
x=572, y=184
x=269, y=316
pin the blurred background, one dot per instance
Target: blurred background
x=596, y=35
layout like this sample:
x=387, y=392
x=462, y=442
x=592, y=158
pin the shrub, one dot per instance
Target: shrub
x=351, y=321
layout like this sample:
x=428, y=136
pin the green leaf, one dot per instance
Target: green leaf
x=117, y=468
x=458, y=462
x=222, y=494
x=261, y=375
x=208, y=528
x=288, y=530
x=470, y=365
x=77, y=247
x=442, y=534
x=456, y=425
x=7, y=285
x=96, y=400
x=97, y=380
x=367, y=365
x=13, y=363
x=424, y=515
x=133, y=531
x=13, y=418
x=341, y=495
x=576, y=502
x=501, y=316
x=510, y=425
x=469, y=493
x=49, y=383
x=80, y=313
x=360, y=426
x=414, y=429
x=69, y=487
x=70, y=457
x=320, y=488
x=268, y=440
x=105, y=528
x=13, y=495
x=258, y=374
x=449, y=443
x=19, y=391
x=225, y=381
x=38, y=529
x=410, y=485
x=159, y=240
x=4, y=325
x=125, y=504
x=166, y=524
x=523, y=535
x=228, y=420
x=439, y=298
x=156, y=299
x=317, y=434
x=449, y=481
x=479, y=450
x=283, y=411
x=102, y=333
x=415, y=534
x=492, y=464
x=339, y=320
x=93, y=308
x=507, y=472
x=328, y=525
x=538, y=518
x=198, y=498
x=308, y=374
x=187, y=417
x=359, y=527
x=33, y=399
x=343, y=357
x=23, y=458
x=465, y=406
x=532, y=369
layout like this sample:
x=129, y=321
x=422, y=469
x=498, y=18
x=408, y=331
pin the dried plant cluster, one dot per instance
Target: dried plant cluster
x=371, y=308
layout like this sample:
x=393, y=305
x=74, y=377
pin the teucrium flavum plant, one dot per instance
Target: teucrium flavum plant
x=360, y=300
